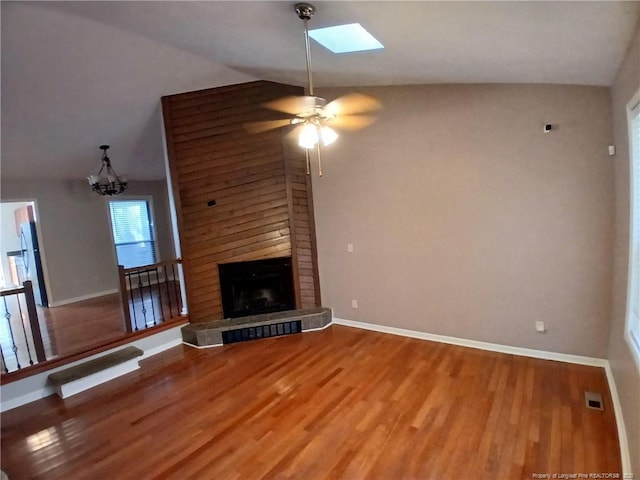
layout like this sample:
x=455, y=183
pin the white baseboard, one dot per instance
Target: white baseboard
x=524, y=352
x=89, y=296
x=463, y=342
x=202, y=346
x=625, y=456
x=317, y=329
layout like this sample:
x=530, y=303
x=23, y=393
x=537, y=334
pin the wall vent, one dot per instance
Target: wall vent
x=262, y=331
x=593, y=400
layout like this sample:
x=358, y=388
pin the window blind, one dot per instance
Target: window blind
x=132, y=231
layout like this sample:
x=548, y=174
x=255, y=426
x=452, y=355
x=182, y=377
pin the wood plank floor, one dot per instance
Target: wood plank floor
x=339, y=403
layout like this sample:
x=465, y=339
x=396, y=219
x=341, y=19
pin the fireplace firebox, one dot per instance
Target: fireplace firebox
x=255, y=287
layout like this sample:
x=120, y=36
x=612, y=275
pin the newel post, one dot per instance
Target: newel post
x=33, y=320
x=124, y=299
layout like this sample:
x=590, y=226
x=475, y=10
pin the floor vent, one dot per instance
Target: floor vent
x=262, y=331
x=593, y=400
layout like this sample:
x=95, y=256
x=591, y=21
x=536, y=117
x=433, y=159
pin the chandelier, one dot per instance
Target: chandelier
x=107, y=181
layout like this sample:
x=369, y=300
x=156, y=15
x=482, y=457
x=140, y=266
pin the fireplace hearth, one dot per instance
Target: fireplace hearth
x=256, y=287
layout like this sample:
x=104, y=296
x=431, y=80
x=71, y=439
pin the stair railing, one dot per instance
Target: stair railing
x=20, y=336
x=151, y=294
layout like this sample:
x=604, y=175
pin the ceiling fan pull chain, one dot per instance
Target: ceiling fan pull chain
x=306, y=151
x=319, y=160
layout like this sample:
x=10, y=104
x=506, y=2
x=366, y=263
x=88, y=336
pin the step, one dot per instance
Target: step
x=83, y=376
x=210, y=334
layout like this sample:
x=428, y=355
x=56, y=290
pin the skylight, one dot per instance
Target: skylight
x=345, y=38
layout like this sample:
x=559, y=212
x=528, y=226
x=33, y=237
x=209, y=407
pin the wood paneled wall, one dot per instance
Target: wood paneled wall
x=263, y=202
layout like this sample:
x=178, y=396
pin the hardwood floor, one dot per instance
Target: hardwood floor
x=73, y=327
x=339, y=403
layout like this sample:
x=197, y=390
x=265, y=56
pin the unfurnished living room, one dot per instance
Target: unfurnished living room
x=339, y=239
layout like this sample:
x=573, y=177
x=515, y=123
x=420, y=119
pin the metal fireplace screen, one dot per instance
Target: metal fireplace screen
x=256, y=287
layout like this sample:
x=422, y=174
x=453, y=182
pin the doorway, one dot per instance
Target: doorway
x=20, y=250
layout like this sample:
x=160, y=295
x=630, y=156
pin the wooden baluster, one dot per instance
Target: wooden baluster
x=33, y=321
x=24, y=327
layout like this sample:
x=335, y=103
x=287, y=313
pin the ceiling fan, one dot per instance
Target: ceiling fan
x=314, y=119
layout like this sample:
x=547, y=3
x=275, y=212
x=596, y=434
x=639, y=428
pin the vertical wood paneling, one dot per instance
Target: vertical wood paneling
x=302, y=228
x=262, y=196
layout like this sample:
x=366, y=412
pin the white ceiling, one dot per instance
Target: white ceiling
x=79, y=74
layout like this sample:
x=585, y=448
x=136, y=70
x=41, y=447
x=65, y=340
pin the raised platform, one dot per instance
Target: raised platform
x=90, y=373
x=208, y=334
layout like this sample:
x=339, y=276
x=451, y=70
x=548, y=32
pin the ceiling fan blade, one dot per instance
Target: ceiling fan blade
x=259, y=127
x=293, y=105
x=353, y=103
x=351, y=122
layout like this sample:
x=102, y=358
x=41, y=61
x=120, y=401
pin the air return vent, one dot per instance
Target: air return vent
x=262, y=331
x=593, y=400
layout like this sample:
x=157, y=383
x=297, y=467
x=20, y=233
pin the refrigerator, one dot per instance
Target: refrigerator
x=32, y=262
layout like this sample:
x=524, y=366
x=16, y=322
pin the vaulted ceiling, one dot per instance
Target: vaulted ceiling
x=79, y=74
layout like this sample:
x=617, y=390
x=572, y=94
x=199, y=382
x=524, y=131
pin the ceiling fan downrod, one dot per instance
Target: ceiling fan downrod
x=305, y=11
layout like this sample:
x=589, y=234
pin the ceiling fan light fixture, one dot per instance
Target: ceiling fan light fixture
x=314, y=120
x=308, y=136
x=328, y=135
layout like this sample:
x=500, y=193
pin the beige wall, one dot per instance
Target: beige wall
x=75, y=236
x=624, y=369
x=467, y=220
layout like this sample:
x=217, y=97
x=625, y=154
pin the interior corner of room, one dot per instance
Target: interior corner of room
x=484, y=211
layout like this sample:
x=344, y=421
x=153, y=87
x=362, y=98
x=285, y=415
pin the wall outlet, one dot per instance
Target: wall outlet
x=540, y=327
x=354, y=303
x=350, y=247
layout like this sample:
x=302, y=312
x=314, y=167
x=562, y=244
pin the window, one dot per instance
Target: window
x=633, y=293
x=132, y=231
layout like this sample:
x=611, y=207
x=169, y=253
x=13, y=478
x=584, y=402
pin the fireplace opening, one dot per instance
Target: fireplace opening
x=259, y=286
